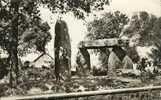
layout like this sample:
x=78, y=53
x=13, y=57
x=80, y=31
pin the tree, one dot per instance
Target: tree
x=109, y=26
x=144, y=29
x=21, y=27
x=78, y=7
x=141, y=24
x=157, y=32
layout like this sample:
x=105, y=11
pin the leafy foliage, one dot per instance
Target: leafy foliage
x=36, y=37
x=78, y=7
x=30, y=30
x=109, y=26
x=157, y=32
x=145, y=28
x=142, y=24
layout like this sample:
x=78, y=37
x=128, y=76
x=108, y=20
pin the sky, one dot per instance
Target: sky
x=77, y=28
x=131, y=6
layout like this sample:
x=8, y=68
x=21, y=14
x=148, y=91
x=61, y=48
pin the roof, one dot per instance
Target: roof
x=43, y=60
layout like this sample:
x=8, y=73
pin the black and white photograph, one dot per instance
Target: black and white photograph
x=80, y=49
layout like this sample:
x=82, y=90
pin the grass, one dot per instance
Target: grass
x=40, y=81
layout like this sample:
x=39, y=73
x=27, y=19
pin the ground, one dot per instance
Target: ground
x=42, y=81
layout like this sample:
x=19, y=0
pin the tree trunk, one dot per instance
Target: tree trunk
x=14, y=70
x=13, y=52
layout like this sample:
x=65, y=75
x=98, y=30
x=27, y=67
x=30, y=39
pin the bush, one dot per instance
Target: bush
x=99, y=71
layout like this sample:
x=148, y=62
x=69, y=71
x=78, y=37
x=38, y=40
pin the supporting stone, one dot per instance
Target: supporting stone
x=114, y=63
x=83, y=61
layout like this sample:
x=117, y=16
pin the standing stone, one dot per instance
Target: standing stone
x=62, y=47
